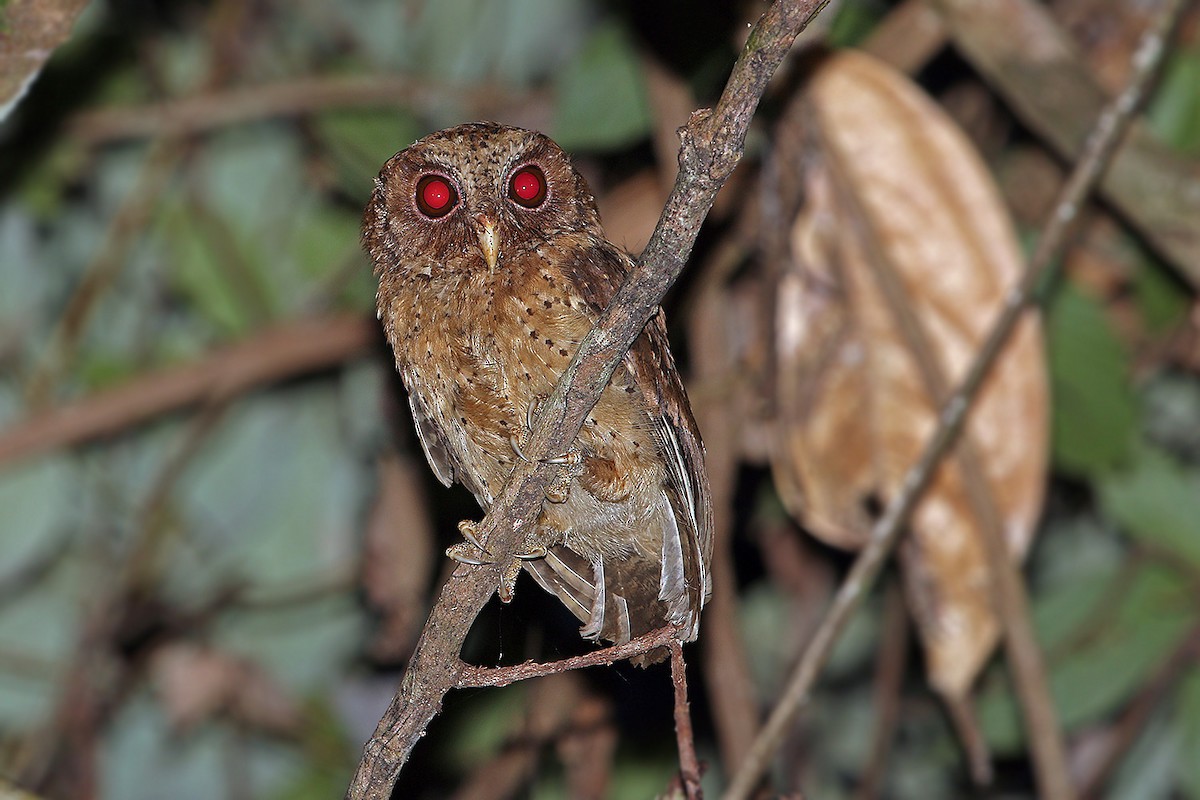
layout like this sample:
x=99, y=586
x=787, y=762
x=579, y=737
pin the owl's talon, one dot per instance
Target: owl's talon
x=558, y=491
x=571, y=458
x=508, y=581
x=473, y=552
x=531, y=413
x=514, y=442
x=533, y=554
x=470, y=532
x=466, y=553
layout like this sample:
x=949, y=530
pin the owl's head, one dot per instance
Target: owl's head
x=467, y=197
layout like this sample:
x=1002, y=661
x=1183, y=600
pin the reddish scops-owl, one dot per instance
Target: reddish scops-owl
x=492, y=266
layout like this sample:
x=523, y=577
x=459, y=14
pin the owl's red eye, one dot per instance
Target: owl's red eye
x=436, y=196
x=528, y=187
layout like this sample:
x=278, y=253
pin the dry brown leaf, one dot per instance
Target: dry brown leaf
x=198, y=682
x=901, y=220
x=397, y=557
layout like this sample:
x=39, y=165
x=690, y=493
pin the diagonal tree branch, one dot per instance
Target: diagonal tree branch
x=1033, y=64
x=274, y=354
x=29, y=33
x=1106, y=134
x=711, y=145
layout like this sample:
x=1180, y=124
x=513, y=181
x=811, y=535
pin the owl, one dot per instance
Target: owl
x=492, y=266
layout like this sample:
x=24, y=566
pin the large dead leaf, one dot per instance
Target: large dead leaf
x=902, y=237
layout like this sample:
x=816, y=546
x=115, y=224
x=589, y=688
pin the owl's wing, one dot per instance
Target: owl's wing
x=686, y=484
x=445, y=452
x=685, y=582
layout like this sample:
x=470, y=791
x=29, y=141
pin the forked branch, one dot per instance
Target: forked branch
x=711, y=145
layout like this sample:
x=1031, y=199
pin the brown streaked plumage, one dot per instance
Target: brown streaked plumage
x=492, y=266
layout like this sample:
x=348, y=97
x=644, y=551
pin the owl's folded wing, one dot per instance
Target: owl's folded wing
x=685, y=576
x=444, y=450
x=686, y=484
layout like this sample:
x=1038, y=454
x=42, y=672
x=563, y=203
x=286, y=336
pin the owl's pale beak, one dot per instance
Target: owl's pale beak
x=489, y=241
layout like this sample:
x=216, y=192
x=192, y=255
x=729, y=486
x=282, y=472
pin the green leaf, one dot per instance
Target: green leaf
x=360, y=141
x=494, y=717
x=1187, y=726
x=479, y=41
x=328, y=760
x=200, y=276
x=1146, y=771
x=325, y=240
x=1157, y=502
x=601, y=97
x=1174, y=112
x=1094, y=408
x=270, y=505
x=1171, y=414
x=36, y=623
x=1107, y=661
x=854, y=21
x=144, y=759
x=1162, y=300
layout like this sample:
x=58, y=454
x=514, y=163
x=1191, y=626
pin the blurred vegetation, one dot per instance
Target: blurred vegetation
x=139, y=234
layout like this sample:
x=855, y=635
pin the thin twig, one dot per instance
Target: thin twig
x=1010, y=601
x=1137, y=715
x=1099, y=148
x=689, y=765
x=711, y=145
x=1027, y=58
x=471, y=676
x=889, y=679
x=217, y=109
x=104, y=268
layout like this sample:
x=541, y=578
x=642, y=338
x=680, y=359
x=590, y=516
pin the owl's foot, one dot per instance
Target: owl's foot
x=570, y=463
x=470, y=532
x=472, y=551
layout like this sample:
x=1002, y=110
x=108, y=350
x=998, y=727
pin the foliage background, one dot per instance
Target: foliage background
x=216, y=601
